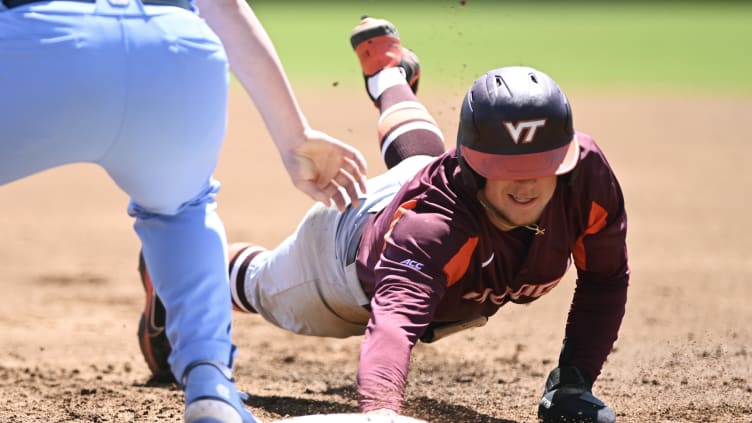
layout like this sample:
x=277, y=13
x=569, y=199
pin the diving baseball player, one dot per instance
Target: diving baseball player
x=443, y=239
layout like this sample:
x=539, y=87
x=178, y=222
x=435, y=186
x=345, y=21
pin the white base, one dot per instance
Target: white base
x=349, y=418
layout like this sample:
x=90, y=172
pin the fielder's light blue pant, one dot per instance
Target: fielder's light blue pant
x=142, y=92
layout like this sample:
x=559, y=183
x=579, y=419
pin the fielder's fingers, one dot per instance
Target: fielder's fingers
x=339, y=200
x=327, y=195
x=347, y=182
x=358, y=167
x=334, y=166
x=313, y=191
x=357, y=173
x=334, y=194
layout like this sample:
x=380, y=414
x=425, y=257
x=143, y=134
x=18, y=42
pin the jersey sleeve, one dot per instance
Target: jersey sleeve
x=422, y=255
x=600, y=255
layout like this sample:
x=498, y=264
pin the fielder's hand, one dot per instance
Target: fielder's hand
x=568, y=398
x=323, y=167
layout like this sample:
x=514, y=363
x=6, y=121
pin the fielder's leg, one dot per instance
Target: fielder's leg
x=152, y=338
x=165, y=161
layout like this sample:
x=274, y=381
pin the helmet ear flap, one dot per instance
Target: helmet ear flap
x=471, y=178
x=467, y=134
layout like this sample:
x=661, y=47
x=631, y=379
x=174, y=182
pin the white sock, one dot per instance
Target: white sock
x=386, y=78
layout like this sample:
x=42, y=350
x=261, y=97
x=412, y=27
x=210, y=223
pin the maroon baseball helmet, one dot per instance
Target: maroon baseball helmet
x=516, y=123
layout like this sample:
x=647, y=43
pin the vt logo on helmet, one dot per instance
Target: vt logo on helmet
x=515, y=130
x=516, y=123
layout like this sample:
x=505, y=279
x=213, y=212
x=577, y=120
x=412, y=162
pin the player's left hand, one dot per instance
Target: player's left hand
x=567, y=397
x=323, y=167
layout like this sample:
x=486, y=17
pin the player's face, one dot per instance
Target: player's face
x=517, y=202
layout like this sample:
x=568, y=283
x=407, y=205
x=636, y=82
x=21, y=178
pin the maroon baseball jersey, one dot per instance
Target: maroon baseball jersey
x=432, y=255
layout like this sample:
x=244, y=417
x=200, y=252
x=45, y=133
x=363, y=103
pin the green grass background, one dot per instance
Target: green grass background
x=690, y=47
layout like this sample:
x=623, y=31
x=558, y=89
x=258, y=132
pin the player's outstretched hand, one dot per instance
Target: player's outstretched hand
x=323, y=167
x=568, y=398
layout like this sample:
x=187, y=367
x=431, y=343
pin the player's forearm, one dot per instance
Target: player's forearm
x=382, y=373
x=254, y=61
x=391, y=333
x=593, y=323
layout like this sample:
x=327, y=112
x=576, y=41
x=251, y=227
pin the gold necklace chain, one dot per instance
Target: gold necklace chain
x=537, y=229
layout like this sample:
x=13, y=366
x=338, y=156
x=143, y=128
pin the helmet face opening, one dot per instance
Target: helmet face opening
x=516, y=123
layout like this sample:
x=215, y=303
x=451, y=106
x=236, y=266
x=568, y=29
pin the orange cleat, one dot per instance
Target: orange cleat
x=152, y=338
x=377, y=44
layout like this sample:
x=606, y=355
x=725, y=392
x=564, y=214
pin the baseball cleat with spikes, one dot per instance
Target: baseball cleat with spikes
x=377, y=44
x=152, y=338
x=211, y=395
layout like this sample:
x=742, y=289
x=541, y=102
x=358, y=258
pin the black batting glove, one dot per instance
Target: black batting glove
x=568, y=398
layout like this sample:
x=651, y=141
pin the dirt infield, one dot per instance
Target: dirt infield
x=71, y=297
